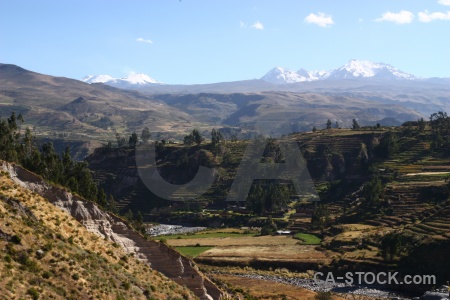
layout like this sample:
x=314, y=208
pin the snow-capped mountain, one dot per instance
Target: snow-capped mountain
x=133, y=79
x=366, y=69
x=97, y=78
x=280, y=75
x=354, y=69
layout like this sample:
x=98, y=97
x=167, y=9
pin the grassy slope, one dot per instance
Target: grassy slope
x=192, y=252
x=308, y=239
x=74, y=264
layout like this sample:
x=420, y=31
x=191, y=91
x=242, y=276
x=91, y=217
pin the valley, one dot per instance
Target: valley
x=378, y=163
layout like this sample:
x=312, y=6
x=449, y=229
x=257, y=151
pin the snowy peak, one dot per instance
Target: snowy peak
x=353, y=69
x=133, y=79
x=280, y=75
x=97, y=78
x=139, y=78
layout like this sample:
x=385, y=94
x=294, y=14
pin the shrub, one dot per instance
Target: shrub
x=16, y=239
x=33, y=293
x=47, y=247
x=46, y=275
x=323, y=296
x=126, y=285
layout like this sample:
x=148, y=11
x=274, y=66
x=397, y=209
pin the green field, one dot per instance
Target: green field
x=192, y=252
x=308, y=239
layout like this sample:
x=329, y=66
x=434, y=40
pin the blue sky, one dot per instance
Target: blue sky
x=194, y=41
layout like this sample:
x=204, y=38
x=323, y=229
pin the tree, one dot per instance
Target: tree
x=59, y=169
x=198, y=139
x=320, y=218
x=67, y=160
x=328, y=124
x=355, y=124
x=388, y=145
x=391, y=246
x=270, y=227
x=439, y=122
x=132, y=141
x=101, y=198
x=336, y=125
x=112, y=204
x=267, y=197
x=145, y=135
x=372, y=192
x=421, y=125
x=314, y=129
x=193, y=137
x=188, y=139
x=216, y=137
x=120, y=141
x=440, y=127
x=129, y=215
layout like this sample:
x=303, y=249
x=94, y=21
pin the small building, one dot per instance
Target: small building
x=283, y=232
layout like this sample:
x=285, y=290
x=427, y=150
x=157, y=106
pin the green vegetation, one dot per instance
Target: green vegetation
x=269, y=228
x=194, y=137
x=308, y=239
x=320, y=218
x=192, y=252
x=62, y=169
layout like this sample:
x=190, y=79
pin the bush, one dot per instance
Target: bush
x=266, y=230
x=16, y=239
x=323, y=296
x=33, y=293
x=126, y=285
x=46, y=275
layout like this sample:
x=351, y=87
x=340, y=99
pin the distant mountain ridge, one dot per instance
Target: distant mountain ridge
x=353, y=69
x=132, y=79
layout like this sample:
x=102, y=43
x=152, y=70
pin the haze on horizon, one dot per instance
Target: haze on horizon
x=189, y=42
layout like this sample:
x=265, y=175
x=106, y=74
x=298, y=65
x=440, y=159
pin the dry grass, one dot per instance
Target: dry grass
x=234, y=241
x=74, y=263
x=290, y=253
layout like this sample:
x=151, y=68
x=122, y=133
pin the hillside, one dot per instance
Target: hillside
x=371, y=182
x=107, y=226
x=276, y=113
x=71, y=109
x=74, y=111
x=48, y=254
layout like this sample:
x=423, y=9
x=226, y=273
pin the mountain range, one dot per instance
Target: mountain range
x=64, y=108
x=353, y=69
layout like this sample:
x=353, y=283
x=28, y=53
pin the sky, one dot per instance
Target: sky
x=207, y=41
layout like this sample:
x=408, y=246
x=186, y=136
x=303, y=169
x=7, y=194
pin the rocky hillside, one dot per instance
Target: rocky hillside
x=125, y=246
x=48, y=254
